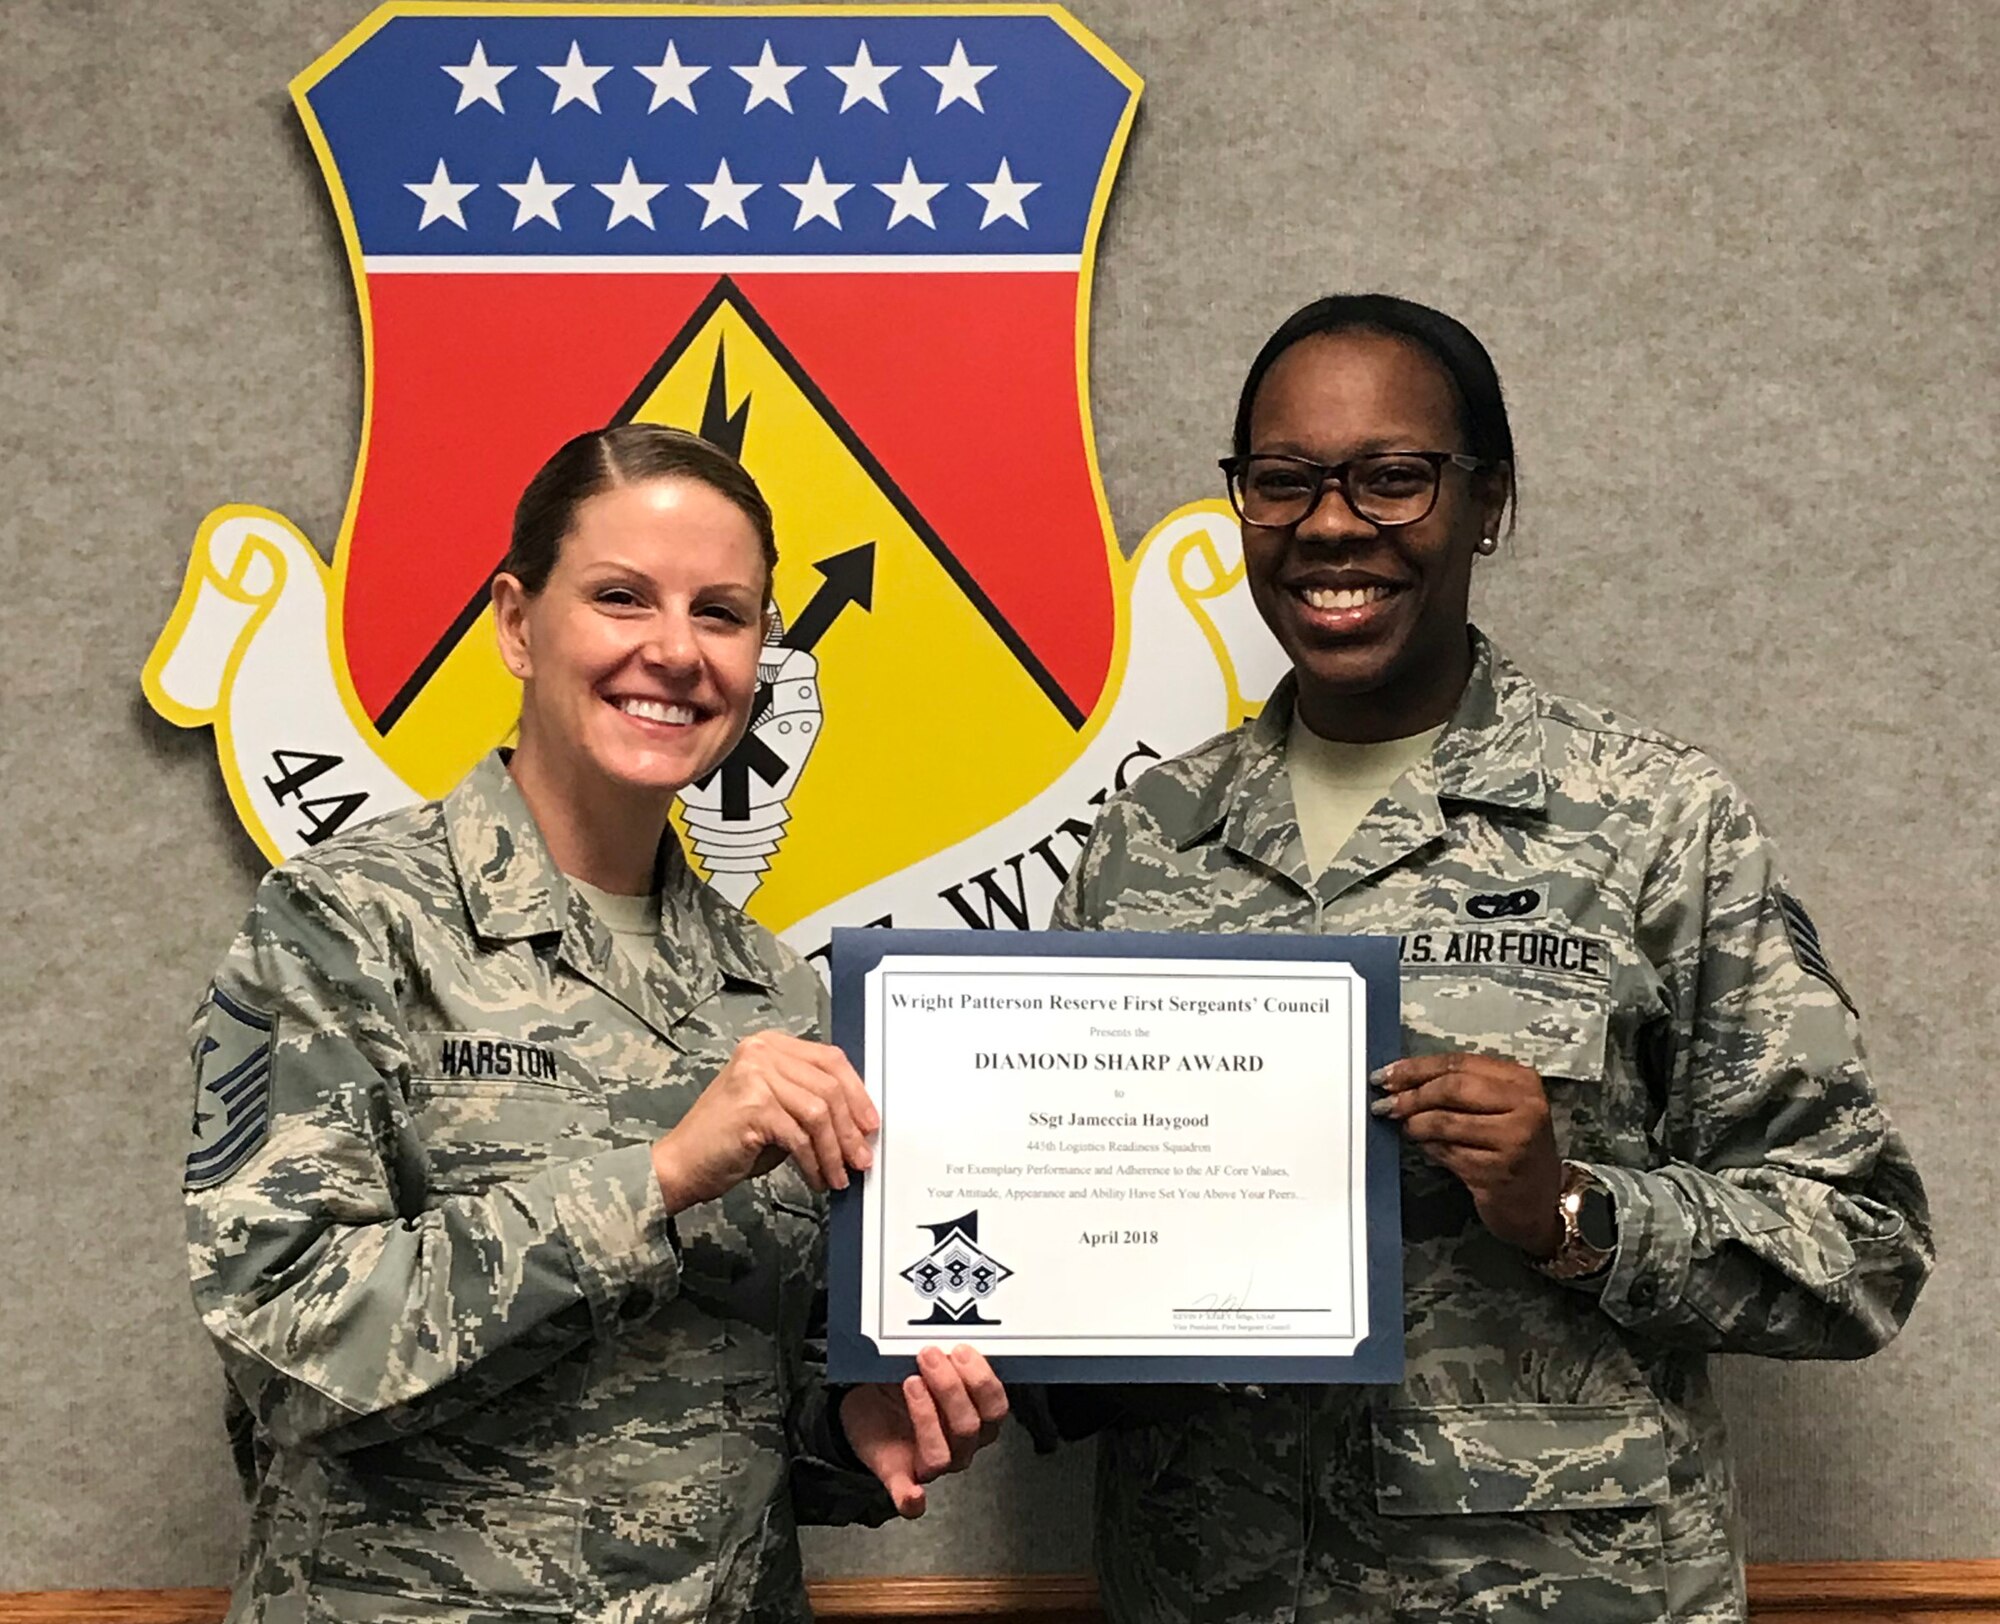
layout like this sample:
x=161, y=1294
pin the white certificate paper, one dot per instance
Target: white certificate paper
x=1118, y=1159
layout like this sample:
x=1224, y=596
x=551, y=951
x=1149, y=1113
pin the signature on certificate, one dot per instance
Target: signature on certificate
x=1217, y=1302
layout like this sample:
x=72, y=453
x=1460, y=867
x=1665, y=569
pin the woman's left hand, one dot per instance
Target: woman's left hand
x=932, y=1423
x=1486, y=1122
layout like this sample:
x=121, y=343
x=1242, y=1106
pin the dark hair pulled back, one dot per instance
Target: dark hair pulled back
x=1482, y=408
x=624, y=454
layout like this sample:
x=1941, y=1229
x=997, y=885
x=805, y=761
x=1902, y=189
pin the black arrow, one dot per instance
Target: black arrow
x=752, y=755
x=719, y=425
x=850, y=578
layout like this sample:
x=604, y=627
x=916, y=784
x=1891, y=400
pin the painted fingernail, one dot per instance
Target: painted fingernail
x=1379, y=1076
x=1383, y=1106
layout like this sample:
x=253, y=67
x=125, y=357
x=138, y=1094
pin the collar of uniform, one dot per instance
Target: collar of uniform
x=1490, y=751
x=511, y=884
x=726, y=933
x=514, y=890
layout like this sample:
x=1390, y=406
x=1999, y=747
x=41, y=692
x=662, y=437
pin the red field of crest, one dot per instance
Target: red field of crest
x=964, y=387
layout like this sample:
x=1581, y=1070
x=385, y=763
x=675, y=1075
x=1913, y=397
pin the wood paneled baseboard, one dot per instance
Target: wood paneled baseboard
x=1824, y=1592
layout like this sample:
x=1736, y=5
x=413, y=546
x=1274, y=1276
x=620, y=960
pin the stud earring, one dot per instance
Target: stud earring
x=1489, y=545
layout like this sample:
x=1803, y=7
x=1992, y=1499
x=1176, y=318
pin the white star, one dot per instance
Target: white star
x=863, y=80
x=673, y=80
x=478, y=80
x=442, y=196
x=819, y=198
x=911, y=196
x=576, y=81
x=958, y=80
x=631, y=198
x=1004, y=196
x=535, y=197
x=724, y=196
x=767, y=79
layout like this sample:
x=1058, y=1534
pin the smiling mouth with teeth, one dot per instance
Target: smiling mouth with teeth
x=1352, y=597
x=651, y=710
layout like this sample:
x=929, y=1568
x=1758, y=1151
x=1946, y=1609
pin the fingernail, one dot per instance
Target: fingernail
x=962, y=1354
x=1383, y=1106
x=1379, y=1077
x=864, y=1158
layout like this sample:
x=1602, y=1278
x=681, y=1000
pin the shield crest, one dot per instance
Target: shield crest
x=852, y=250
x=852, y=245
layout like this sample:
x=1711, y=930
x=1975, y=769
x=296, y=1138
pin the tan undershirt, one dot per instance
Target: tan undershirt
x=1335, y=785
x=634, y=922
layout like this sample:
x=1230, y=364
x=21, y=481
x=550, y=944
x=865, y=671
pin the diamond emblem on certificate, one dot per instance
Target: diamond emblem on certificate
x=956, y=1275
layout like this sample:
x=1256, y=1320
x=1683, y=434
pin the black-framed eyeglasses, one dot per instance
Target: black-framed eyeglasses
x=1385, y=487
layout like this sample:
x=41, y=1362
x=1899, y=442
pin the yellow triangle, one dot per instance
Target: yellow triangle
x=933, y=729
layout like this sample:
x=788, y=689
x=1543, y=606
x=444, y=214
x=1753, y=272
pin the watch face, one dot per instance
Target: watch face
x=1597, y=1220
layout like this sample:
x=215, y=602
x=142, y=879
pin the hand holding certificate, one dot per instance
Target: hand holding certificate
x=1120, y=1157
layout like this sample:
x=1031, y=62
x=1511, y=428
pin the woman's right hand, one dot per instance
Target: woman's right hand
x=778, y=1096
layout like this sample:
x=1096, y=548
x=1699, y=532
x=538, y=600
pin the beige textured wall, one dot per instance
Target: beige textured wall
x=1736, y=260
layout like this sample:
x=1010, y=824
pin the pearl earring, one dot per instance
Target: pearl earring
x=1489, y=545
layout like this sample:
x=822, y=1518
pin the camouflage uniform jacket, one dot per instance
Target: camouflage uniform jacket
x=1596, y=901
x=478, y=1372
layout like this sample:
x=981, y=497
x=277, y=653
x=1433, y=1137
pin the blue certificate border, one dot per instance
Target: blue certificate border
x=1378, y=1358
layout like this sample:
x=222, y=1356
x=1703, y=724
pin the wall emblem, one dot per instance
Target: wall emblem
x=854, y=245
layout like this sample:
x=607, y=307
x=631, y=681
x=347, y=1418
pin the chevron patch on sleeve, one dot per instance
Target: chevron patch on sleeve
x=232, y=1107
x=1804, y=937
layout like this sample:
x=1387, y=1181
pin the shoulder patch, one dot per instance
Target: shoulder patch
x=1804, y=937
x=232, y=1104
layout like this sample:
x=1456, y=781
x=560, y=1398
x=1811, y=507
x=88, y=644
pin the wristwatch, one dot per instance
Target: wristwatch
x=1590, y=1227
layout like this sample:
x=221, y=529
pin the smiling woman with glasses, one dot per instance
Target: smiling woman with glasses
x=1638, y=1128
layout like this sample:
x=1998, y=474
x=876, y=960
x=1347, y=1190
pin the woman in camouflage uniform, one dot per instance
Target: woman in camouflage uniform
x=1638, y=1125
x=503, y=1202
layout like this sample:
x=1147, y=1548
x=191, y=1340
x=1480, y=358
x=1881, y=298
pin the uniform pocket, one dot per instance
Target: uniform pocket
x=1505, y=1512
x=490, y=1109
x=1554, y=1024
x=1558, y=1026
x=406, y=1550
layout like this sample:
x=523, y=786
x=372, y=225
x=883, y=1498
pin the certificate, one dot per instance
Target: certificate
x=1120, y=1157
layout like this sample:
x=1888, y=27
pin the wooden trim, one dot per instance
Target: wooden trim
x=1889, y=1590
x=1824, y=1592
x=113, y=1606
x=1044, y=1597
